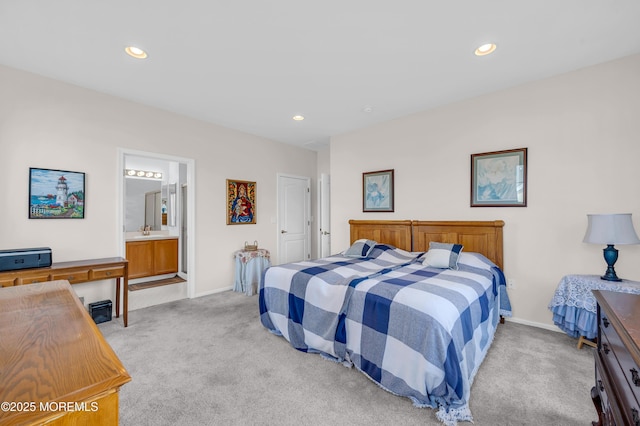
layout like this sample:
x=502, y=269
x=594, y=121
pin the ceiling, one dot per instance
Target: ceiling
x=253, y=64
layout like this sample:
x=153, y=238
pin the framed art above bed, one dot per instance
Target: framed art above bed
x=499, y=178
x=377, y=191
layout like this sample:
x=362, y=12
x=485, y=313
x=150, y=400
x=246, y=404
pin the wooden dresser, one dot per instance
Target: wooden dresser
x=616, y=394
x=55, y=366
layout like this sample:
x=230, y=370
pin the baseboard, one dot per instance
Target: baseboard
x=218, y=290
x=534, y=324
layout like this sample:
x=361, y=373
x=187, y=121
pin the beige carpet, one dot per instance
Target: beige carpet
x=209, y=361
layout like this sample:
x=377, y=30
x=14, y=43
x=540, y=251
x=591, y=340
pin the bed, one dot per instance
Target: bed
x=413, y=305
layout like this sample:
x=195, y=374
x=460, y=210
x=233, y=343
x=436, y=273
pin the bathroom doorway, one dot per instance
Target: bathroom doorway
x=174, y=208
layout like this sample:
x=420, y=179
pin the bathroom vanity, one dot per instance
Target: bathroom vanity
x=151, y=255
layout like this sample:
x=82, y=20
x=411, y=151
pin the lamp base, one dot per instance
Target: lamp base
x=610, y=278
x=610, y=256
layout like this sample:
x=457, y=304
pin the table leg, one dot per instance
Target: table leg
x=125, y=299
x=118, y=297
x=584, y=341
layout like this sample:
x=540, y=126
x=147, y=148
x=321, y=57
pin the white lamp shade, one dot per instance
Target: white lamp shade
x=610, y=229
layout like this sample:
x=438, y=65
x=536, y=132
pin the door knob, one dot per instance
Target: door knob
x=326, y=233
x=283, y=232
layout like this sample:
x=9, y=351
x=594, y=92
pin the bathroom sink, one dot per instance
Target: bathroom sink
x=150, y=237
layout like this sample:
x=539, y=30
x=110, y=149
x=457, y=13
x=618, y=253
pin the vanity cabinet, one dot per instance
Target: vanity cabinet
x=165, y=256
x=152, y=257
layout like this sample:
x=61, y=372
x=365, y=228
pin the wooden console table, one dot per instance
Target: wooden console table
x=57, y=368
x=76, y=272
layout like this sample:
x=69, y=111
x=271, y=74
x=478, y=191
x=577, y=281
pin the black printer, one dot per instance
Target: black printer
x=11, y=260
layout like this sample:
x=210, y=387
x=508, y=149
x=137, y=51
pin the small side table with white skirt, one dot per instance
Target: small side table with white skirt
x=250, y=266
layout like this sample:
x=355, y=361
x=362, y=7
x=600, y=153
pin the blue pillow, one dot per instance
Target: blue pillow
x=360, y=248
x=442, y=255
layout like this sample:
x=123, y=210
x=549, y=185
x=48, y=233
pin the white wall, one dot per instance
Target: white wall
x=324, y=161
x=49, y=124
x=582, y=131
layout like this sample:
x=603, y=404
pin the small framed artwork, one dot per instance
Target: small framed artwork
x=499, y=178
x=56, y=194
x=377, y=191
x=241, y=202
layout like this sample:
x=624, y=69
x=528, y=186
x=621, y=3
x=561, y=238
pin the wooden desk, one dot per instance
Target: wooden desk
x=56, y=366
x=76, y=272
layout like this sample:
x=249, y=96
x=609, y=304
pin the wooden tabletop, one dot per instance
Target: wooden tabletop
x=51, y=350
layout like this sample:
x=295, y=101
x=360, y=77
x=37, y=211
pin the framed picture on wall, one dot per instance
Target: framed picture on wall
x=56, y=194
x=499, y=178
x=377, y=191
x=241, y=202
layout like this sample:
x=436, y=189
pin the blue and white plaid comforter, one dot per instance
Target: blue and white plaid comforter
x=417, y=331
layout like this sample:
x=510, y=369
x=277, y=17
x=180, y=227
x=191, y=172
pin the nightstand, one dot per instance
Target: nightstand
x=250, y=266
x=574, y=306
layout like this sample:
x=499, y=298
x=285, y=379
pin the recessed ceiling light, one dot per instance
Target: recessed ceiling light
x=485, y=49
x=298, y=117
x=367, y=108
x=136, y=52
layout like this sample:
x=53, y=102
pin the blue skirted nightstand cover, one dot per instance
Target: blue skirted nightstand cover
x=573, y=304
x=250, y=266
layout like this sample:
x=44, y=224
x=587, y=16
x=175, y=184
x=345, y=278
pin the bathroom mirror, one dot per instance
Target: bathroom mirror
x=143, y=204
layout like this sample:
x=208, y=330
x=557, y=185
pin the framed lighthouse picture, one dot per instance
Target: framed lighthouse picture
x=56, y=194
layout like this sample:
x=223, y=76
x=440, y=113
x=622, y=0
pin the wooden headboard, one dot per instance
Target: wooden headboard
x=394, y=232
x=483, y=237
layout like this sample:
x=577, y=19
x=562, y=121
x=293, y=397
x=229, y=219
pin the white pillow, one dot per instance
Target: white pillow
x=442, y=255
x=360, y=248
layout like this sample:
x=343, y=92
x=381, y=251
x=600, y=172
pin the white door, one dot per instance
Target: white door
x=324, y=187
x=294, y=222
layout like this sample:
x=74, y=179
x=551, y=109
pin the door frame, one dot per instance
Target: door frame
x=191, y=208
x=308, y=210
x=323, y=204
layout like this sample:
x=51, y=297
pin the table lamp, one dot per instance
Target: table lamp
x=610, y=229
